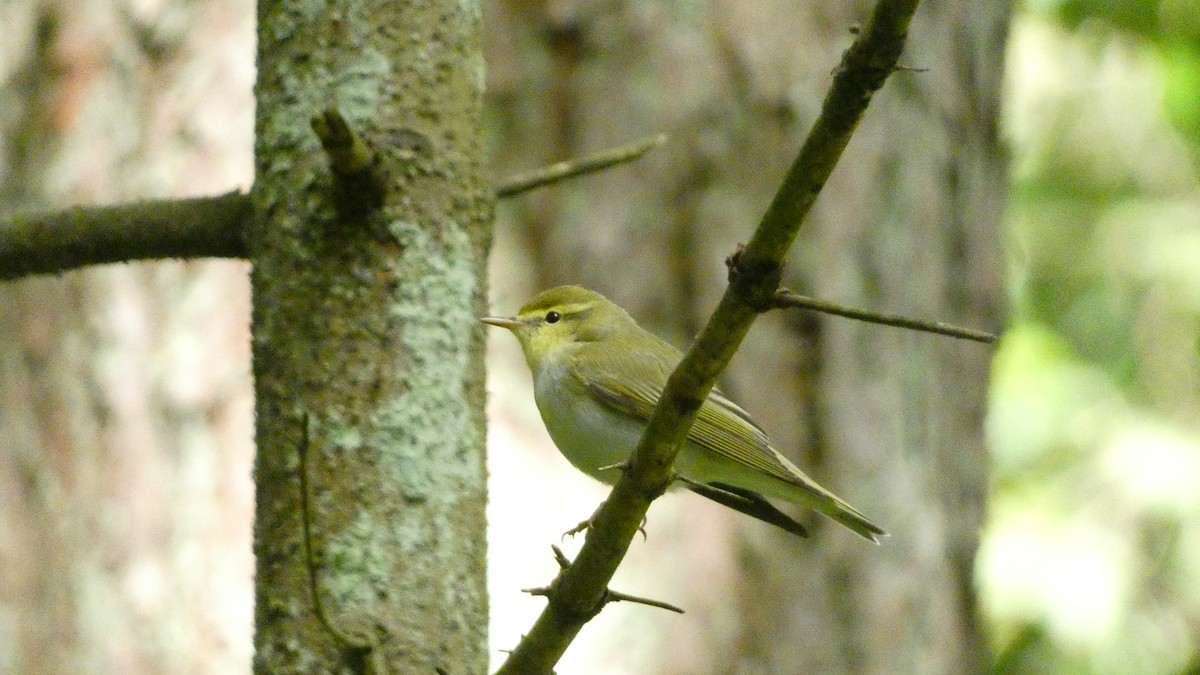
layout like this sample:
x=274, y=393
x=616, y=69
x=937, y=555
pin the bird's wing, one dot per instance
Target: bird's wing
x=726, y=429
x=634, y=386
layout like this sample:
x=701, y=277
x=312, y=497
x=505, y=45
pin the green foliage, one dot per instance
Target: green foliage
x=1181, y=101
x=1092, y=557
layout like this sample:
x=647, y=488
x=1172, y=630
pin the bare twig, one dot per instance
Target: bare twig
x=785, y=299
x=524, y=182
x=578, y=592
x=617, y=596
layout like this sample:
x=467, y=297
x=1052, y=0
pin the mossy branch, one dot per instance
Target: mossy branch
x=51, y=243
x=578, y=592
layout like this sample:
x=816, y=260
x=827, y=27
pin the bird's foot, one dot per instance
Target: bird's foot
x=585, y=525
x=581, y=527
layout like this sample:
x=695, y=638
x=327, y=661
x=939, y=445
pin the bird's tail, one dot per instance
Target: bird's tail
x=831, y=505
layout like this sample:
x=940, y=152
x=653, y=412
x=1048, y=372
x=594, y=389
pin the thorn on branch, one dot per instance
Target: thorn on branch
x=560, y=557
x=358, y=184
x=621, y=466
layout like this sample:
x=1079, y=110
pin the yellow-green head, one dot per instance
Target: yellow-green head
x=553, y=321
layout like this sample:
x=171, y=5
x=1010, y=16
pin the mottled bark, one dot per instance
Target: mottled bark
x=365, y=326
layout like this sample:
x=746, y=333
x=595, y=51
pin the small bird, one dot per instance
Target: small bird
x=597, y=377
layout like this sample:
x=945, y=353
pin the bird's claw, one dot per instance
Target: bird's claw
x=587, y=524
x=581, y=527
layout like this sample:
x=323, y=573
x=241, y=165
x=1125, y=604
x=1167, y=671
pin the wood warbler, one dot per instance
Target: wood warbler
x=597, y=377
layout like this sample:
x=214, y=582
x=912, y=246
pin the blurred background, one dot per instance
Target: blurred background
x=1037, y=179
x=1091, y=558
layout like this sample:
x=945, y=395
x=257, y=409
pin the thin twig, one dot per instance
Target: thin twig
x=785, y=299
x=617, y=596
x=524, y=182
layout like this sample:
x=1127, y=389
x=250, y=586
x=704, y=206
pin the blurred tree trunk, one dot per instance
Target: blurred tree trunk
x=125, y=420
x=891, y=420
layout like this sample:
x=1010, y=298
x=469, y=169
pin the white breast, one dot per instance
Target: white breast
x=589, y=435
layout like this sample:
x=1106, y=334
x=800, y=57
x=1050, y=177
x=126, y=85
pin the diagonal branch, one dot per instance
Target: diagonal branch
x=754, y=277
x=559, y=171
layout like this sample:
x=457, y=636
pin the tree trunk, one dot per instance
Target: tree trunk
x=367, y=349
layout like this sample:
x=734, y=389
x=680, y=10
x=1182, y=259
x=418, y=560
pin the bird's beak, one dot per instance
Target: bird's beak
x=510, y=323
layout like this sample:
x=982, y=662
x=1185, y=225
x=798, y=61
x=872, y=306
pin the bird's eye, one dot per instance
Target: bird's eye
x=553, y=317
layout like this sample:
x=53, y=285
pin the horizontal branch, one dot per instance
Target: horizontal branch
x=52, y=243
x=579, y=590
x=787, y=299
x=210, y=227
